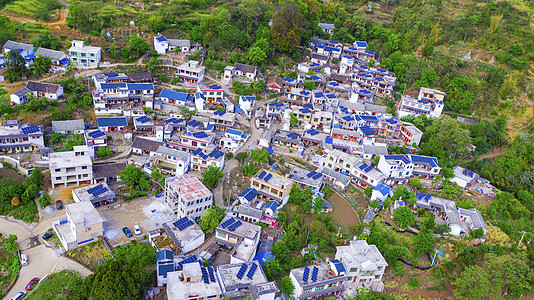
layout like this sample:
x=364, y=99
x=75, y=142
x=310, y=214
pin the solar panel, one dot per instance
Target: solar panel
x=200, y=135
x=185, y=225
x=180, y=222
x=252, y=270
x=211, y=274
x=306, y=274
x=269, y=176
x=97, y=190
x=262, y=174
x=227, y=223
x=205, y=276
x=241, y=271
x=30, y=129
x=143, y=119
x=317, y=176
x=369, y=168
x=188, y=260
x=314, y=274
x=96, y=134
x=235, y=225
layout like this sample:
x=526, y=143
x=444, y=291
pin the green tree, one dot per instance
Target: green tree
x=134, y=176
x=273, y=268
x=138, y=44
x=293, y=121
x=15, y=66
x=46, y=40
x=423, y=242
x=256, y=56
x=211, y=176
x=447, y=172
x=286, y=29
x=473, y=283
x=445, y=136
x=116, y=279
x=153, y=63
x=30, y=193
x=64, y=285
x=41, y=64
x=415, y=182
x=318, y=204
x=376, y=160
x=36, y=177
x=309, y=85
x=103, y=152
x=241, y=157
x=286, y=286
x=368, y=191
x=141, y=255
x=259, y=156
x=212, y=218
x=156, y=174
x=249, y=169
x=45, y=200
x=404, y=216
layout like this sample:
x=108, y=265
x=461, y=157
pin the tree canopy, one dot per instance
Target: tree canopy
x=211, y=176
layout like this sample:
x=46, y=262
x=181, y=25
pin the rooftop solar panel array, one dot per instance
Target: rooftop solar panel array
x=314, y=274
x=241, y=271
x=30, y=129
x=311, y=174
x=190, y=259
x=267, y=177
x=234, y=225
x=317, y=176
x=96, y=134
x=143, y=119
x=227, y=223
x=185, y=225
x=306, y=274
x=251, y=271
x=211, y=274
x=97, y=190
x=262, y=174
x=200, y=135
x=205, y=275
x=180, y=222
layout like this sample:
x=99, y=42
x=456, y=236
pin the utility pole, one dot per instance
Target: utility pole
x=521, y=239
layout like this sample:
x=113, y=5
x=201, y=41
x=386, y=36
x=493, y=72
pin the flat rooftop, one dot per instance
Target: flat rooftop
x=196, y=289
x=245, y=230
x=184, y=236
x=84, y=213
x=324, y=273
x=189, y=188
x=228, y=275
x=273, y=178
x=243, y=251
x=85, y=196
x=358, y=252
x=305, y=176
x=68, y=159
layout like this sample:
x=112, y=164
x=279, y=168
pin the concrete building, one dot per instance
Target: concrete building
x=112, y=123
x=305, y=178
x=84, y=56
x=69, y=126
x=238, y=281
x=18, y=138
x=185, y=234
x=97, y=194
x=187, y=196
x=71, y=167
x=193, y=282
x=398, y=169
x=463, y=177
x=318, y=281
x=247, y=196
x=39, y=90
x=232, y=231
x=190, y=72
x=201, y=160
x=83, y=224
x=173, y=160
x=364, y=264
x=95, y=138
x=271, y=186
x=339, y=161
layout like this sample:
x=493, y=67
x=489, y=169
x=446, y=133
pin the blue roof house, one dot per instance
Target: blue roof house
x=247, y=195
x=380, y=193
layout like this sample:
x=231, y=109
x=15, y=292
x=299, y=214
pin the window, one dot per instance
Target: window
x=58, y=178
x=57, y=170
x=319, y=288
x=306, y=291
x=84, y=167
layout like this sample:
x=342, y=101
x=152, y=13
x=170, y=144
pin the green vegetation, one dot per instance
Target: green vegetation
x=9, y=263
x=212, y=218
x=211, y=176
x=60, y=286
x=17, y=199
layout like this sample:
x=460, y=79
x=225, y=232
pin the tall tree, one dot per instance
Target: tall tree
x=116, y=279
x=211, y=176
x=286, y=286
x=212, y=218
x=286, y=29
x=473, y=283
x=15, y=66
x=41, y=64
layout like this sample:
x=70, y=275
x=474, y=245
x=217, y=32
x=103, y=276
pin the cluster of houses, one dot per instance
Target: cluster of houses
x=340, y=128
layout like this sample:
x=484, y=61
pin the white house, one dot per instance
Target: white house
x=380, y=193
x=39, y=90
x=84, y=56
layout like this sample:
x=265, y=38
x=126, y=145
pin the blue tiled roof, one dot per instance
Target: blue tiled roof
x=113, y=85
x=112, y=122
x=432, y=161
x=331, y=96
x=215, y=87
x=339, y=266
x=174, y=95
x=161, y=38
x=315, y=77
x=382, y=189
x=273, y=205
x=140, y=86
x=234, y=131
x=249, y=194
x=361, y=44
x=391, y=121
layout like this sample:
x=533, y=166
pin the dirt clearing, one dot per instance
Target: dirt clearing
x=343, y=214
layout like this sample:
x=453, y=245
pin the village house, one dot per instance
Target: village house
x=110, y=77
x=232, y=231
x=327, y=28
x=365, y=175
x=174, y=97
x=107, y=171
x=84, y=56
x=380, y=193
x=339, y=161
x=233, y=139
x=247, y=196
x=142, y=146
x=117, y=95
x=193, y=282
x=247, y=104
x=96, y=194
x=26, y=50
x=109, y=124
x=191, y=140
x=238, y=281
x=69, y=126
x=222, y=120
x=336, y=179
x=172, y=161
x=319, y=281
x=71, y=167
x=18, y=138
x=464, y=178
x=271, y=186
x=187, y=196
x=398, y=169
x=82, y=225
x=275, y=83
x=163, y=45
x=185, y=234
x=95, y=138
x=37, y=89
x=201, y=160
x=139, y=77
x=364, y=264
x=304, y=178
x=213, y=93
x=247, y=71
x=288, y=139
x=190, y=72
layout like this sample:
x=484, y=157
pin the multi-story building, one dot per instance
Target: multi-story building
x=191, y=140
x=271, y=185
x=232, y=231
x=238, y=281
x=305, y=178
x=83, y=224
x=429, y=102
x=18, y=138
x=111, y=77
x=363, y=263
x=171, y=160
x=118, y=94
x=190, y=72
x=233, y=139
x=213, y=94
x=163, y=45
x=187, y=196
x=193, y=282
x=287, y=139
x=200, y=161
x=359, y=108
x=84, y=56
x=366, y=175
x=425, y=166
x=95, y=138
x=185, y=234
x=339, y=161
x=71, y=167
x=320, y=281
x=398, y=169
x=222, y=120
